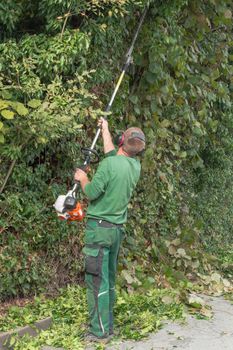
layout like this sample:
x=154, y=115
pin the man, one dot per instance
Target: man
x=109, y=193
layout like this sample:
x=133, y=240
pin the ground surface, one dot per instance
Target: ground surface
x=214, y=334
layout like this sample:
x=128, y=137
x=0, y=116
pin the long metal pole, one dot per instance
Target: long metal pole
x=109, y=105
x=124, y=69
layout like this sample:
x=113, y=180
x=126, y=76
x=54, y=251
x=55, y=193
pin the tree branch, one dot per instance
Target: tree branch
x=8, y=175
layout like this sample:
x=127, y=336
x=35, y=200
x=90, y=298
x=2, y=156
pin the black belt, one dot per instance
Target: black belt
x=106, y=224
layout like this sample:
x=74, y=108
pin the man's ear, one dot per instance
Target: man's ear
x=118, y=140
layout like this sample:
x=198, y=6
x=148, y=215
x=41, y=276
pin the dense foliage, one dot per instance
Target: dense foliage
x=59, y=61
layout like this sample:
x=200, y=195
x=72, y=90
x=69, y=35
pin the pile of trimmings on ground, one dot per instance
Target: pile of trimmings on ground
x=136, y=316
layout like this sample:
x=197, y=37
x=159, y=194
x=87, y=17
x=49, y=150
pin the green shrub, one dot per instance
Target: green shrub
x=54, y=82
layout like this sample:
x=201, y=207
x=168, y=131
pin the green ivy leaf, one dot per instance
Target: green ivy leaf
x=21, y=109
x=205, y=78
x=151, y=77
x=154, y=68
x=7, y=114
x=3, y=104
x=165, y=123
x=42, y=140
x=6, y=94
x=197, y=131
x=183, y=154
x=215, y=74
x=137, y=110
x=153, y=106
x=133, y=99
x=162, y=132
x=34, y=103
x=1, y=125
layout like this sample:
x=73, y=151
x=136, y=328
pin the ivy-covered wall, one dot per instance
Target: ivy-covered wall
x=58, y=64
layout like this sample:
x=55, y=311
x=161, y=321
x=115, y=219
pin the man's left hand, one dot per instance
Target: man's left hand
x=80, y=175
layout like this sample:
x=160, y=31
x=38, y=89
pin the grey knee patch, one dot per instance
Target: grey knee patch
x=92, y=265
x=93, y=260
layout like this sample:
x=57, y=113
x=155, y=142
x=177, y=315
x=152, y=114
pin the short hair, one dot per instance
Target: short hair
x=134, y=141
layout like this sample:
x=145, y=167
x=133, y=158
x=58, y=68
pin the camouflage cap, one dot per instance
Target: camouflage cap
x=134, y=141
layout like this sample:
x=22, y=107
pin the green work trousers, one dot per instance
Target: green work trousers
x=101, y=251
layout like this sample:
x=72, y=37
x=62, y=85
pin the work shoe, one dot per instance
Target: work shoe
x=91, y=338
x=114, y=333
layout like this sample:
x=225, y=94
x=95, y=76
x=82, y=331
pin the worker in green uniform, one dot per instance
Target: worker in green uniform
x=109, y=193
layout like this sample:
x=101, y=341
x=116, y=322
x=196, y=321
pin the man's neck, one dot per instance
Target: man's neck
x=121, y=152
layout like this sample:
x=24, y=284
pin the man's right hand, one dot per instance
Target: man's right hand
x=103, y=124
x=107, y=139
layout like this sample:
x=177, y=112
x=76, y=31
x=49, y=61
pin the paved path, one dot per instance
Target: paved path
x=214, y=334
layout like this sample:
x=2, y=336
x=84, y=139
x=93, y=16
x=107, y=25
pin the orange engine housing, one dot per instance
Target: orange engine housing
x=77, y=214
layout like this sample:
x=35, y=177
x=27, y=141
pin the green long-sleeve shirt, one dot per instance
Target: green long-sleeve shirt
x=111, y=188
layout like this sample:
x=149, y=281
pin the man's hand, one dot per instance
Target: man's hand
x=107, y=139
x=80, y=175
x=103, y=124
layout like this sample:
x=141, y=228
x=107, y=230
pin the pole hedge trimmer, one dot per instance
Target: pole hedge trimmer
x=67, y=206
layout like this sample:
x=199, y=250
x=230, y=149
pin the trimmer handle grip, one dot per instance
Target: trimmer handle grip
x=83, y=168
x=77, y=183
x=76, y=186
